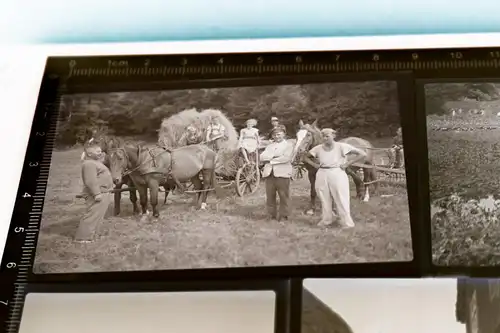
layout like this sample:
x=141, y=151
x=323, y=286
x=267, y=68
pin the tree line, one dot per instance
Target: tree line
x=366, y=109
x=438, y=94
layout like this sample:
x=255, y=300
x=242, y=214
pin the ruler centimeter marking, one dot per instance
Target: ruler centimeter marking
x=23, y=233
x=224, y=70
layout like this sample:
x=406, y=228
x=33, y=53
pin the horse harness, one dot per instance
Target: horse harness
x=152, y=158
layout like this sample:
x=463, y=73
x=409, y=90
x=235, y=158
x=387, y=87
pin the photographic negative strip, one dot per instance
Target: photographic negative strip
x=175, y=312
x=463, y=131
x=234, y=176
x=383, y=305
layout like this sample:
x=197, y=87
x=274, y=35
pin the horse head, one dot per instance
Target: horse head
x=122, y=159
x=308, y=136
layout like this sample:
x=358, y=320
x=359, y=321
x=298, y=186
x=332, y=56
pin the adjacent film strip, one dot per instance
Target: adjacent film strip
x=257, y=166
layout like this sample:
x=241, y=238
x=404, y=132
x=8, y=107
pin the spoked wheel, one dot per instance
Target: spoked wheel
x=247, y=179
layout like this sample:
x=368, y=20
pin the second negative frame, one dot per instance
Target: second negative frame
x=243, y=149
x=463, y=132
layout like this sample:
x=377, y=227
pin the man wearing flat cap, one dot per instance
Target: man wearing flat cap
x=275, y=123
x=278, y=171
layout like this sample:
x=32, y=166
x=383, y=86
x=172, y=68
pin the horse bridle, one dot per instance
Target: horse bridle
x=127, y=172
x=307, y=147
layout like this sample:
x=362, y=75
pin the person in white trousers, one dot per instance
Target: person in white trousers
x=332, y=182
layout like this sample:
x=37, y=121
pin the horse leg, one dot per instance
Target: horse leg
x=312, y=203
x=198, y=186
x=133, y=196
x=373, y=180
x=118, y=198
x=143, y=198
x=133, y=200
x=206, y=186
x=167, y=188
x=367, y=179
x=154, y=186
x=357, y=182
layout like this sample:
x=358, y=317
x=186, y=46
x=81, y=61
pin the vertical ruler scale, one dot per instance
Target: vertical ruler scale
x=22, y=238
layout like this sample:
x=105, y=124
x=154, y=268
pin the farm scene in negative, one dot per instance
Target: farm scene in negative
x=463, y=131
x=226, y=177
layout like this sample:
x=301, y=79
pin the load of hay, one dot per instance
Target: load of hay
x=173, y=127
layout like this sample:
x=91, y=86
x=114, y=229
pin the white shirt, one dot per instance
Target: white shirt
x=332, y=158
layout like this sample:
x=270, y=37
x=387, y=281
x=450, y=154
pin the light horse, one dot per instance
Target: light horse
x=312, y=138
x=150, y=168
x=107, y=143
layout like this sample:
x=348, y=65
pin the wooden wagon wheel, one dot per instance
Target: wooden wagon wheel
x=247, y=179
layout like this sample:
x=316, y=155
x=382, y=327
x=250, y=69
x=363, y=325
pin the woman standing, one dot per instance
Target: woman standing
x=332, y=182
x=249, y=140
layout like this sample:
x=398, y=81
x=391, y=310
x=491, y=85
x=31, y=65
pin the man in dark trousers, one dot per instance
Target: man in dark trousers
x=278, y=171
x=97, y=182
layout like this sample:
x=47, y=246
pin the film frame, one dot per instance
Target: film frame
x=458, y=126
x=400, y=268
x=284, y=291
x=415, y=64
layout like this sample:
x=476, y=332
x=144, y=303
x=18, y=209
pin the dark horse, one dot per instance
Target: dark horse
x=312, y=138
x=107, y=143
x=150, y=168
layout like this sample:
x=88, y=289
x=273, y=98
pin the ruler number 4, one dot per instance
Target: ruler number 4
x=4, y=303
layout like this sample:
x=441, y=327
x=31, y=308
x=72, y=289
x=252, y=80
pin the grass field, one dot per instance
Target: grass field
x=235, y=234
x=466, y=230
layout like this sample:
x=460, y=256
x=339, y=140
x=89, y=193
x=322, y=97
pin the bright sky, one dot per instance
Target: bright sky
x=200, y=312
x=391, y=305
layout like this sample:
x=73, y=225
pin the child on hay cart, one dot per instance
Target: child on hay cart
x=192, y=136
x=249, y=141
x=215, y=133
x=397, y=157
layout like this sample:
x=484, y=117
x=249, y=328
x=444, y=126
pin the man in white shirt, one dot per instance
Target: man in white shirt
x=278, y=172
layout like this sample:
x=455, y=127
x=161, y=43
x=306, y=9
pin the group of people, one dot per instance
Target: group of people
x=215, y=134
x=330, y=158
x=332, y=183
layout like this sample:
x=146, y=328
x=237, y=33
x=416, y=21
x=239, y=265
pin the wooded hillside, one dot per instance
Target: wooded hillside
x=366, y=109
